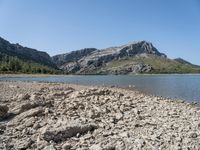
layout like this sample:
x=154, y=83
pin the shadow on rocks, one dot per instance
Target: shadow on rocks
x=7, y=117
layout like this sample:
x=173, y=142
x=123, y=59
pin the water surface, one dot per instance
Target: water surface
x=186, y=87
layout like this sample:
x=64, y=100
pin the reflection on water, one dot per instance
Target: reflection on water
x=185, y=87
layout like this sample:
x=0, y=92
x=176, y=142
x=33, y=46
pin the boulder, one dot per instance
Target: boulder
x=66, y=131
x=30, y=113
x=22, y=107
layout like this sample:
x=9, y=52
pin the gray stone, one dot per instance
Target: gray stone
x=96, y=147
x=50, y=147
x=66, y=131
x=29, y=105
x=67, y=146
x=193, y=135
x=118, y=116
x=30, y=113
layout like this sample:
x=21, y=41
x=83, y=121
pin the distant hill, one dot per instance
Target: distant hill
x=182, y=61
x=136, y=57
x=14, y=57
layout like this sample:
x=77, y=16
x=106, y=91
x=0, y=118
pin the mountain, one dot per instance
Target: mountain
x=72, y=56
x=136, y=57
x=25, y=53
x=182, y=61
x=14, y=57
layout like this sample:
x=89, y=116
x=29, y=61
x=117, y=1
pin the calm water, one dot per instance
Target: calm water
x=186, y=87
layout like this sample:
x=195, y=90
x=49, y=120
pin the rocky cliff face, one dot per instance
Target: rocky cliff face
x=72, y=56
x=94, y=60
x=98, y=58
x=25, y=53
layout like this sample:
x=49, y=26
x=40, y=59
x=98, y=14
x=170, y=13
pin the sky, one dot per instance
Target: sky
x=60, y=26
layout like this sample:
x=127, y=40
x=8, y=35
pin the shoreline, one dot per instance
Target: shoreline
x=44, y=75
x=128, y=89
x=59, y=115
x=132, y=88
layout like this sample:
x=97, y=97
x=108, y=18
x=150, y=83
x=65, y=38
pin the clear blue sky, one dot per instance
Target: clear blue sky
x=60, y=26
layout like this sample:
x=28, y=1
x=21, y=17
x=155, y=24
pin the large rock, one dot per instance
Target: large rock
x=66, y=131
x=30, y=113
x=24, y=106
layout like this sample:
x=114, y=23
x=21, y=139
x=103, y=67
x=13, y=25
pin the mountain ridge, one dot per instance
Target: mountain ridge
x=15, y=58
x=134, y=57
x=25, y=53
x=131, y=58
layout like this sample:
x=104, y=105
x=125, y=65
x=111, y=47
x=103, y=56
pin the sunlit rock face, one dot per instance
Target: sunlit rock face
x=91, y=60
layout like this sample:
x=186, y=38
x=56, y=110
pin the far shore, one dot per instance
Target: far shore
x=137, y=74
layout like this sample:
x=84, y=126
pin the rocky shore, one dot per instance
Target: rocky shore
x=51, y=116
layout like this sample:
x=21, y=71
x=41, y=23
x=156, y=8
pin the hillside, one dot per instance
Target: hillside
x=16, y=58
x=137, y=57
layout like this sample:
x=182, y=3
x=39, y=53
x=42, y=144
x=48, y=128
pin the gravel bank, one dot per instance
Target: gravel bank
x=54, y=116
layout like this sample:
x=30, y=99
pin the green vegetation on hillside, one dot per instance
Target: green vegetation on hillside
x=159, y=64
x=9, y=64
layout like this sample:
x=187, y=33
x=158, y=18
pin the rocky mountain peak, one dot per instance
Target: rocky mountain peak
x=79, y=61
x=136, y=48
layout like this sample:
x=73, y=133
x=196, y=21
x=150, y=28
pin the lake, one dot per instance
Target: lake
x=185, y=87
